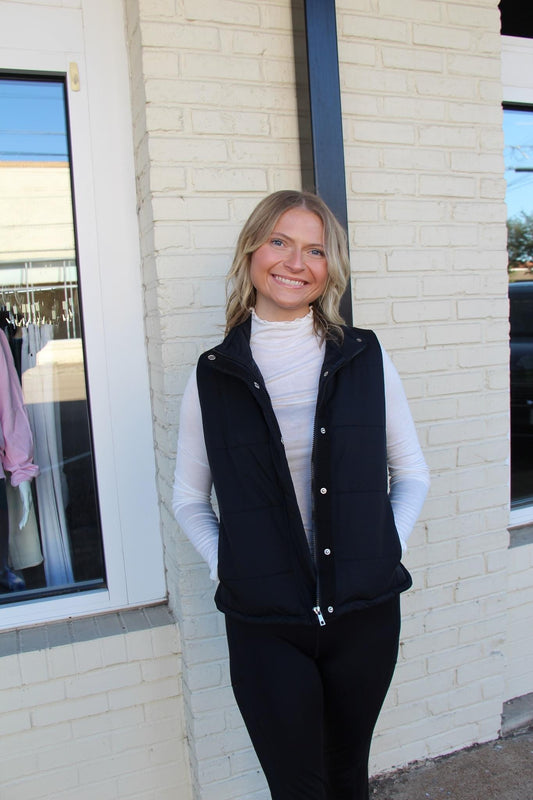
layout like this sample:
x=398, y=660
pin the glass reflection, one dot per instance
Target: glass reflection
x=518, y=129
x=46, y=466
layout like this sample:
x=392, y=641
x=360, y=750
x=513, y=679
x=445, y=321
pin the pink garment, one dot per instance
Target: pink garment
x=16, y=442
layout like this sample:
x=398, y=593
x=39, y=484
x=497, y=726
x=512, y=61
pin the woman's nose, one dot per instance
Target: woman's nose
x=294, y=259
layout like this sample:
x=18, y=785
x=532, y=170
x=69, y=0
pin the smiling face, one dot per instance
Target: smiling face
x=290, y=269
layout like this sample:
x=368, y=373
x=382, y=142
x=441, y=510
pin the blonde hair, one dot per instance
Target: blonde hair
x=257, y=229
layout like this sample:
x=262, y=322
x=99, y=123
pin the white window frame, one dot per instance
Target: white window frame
x=37, y=38
x=517, y=80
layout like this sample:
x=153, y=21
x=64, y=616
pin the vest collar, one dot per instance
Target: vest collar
x=236, y=346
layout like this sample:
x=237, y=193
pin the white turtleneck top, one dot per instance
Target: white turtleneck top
x=289, y=356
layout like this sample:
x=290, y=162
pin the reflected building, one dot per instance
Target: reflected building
x=59, y=548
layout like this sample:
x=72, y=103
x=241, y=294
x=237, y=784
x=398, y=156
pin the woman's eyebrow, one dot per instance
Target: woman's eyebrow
x=290, y=239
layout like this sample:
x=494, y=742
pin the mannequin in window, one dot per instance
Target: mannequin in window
x=16, y=458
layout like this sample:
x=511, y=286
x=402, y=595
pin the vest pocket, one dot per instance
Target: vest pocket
x=253, y=544
x=272, y=598
x=371, y=533
x=370, y=580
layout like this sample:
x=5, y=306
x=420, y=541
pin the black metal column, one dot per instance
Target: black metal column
x=321, y=108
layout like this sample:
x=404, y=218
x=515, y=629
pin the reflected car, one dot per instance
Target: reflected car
x=521, y=318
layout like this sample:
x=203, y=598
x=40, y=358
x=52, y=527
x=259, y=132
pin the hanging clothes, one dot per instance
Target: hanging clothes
x=16, y=458
x=16, y=442
x=24, y=543
x=51, y=486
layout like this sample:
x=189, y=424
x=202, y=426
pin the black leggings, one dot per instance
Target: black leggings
x=310, y=698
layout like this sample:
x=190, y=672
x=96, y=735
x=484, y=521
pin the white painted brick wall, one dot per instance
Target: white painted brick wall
x=519, y=605
x=216, y=129
x=99, y=718
x=421, y=99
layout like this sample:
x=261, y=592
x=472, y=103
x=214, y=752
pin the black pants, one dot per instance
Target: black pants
x=310, y=698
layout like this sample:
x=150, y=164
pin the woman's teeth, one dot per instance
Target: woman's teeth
x=289, y=281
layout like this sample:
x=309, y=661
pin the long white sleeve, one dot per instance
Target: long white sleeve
x=408, y=471
x=191, y=500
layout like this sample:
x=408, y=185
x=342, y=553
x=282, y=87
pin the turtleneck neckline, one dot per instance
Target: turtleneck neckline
x=298, y=322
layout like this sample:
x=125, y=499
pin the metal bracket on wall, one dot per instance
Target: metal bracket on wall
x=74, y=76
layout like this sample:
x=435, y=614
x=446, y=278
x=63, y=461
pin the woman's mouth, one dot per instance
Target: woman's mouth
x=289, y=281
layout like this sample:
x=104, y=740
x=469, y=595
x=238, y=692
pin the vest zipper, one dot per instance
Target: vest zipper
x=316, y=607
x=324, y=375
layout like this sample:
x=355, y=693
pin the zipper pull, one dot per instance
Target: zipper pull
x=321, y=619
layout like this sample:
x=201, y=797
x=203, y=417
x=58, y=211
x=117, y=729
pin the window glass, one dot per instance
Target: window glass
x=42, y=366
x=518, y=128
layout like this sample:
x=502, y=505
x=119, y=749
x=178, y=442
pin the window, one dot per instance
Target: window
x=88, y=287
x=59, y=547
x=518, y=152
x=518, y=128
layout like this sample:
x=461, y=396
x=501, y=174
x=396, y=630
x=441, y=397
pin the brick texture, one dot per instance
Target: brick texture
x=109, y=725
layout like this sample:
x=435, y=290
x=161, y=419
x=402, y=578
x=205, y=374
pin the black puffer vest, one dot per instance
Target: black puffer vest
x=266, y=569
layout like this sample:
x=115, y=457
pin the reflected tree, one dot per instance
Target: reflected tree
x=520, y=240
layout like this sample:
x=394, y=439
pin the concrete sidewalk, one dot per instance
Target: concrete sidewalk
x=499, y=770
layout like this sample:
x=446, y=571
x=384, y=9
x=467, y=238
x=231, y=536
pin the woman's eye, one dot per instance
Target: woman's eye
x=276, y=242
x=316, y=252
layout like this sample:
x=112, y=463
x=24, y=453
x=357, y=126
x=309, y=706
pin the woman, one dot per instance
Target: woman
x=302, y=427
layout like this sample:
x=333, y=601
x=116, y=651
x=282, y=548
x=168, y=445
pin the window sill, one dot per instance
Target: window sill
x=521, y=535
x=57, y=634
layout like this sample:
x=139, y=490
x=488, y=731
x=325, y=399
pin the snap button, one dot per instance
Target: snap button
x=358, y=340
x=326, y=373
x=327, y=551
x=322, y=430
x=323, y=490
x=257, y=386
x=211, y=357
x=330, y=609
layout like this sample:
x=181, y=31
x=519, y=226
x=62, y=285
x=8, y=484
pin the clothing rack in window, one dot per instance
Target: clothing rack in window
x=30, y=295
